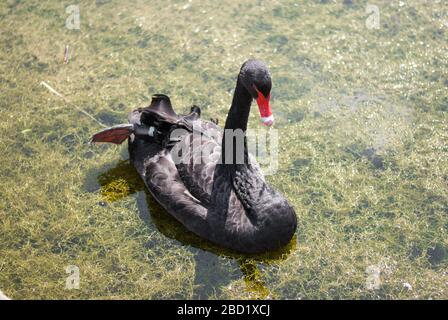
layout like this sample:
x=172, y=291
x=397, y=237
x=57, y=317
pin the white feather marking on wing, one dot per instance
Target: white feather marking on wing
x=186, y=192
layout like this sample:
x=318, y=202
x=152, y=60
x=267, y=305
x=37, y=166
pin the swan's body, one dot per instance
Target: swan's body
x=228, y=204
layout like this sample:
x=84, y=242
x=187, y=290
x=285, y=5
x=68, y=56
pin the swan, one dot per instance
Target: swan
x=205, y=180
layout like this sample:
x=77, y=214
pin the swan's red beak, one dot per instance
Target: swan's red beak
x=265, y=109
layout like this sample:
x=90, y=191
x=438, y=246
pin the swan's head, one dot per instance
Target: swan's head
x=256, y=79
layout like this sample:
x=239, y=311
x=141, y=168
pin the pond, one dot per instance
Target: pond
x=360, y=96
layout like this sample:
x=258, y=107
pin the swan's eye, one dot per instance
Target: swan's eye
x=265, y=108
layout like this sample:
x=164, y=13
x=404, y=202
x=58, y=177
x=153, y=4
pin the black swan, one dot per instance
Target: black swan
x=201, y=177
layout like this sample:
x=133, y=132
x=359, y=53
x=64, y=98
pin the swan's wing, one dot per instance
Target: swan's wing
x=195, y=157
x=210, y=130
x=225, y=222
x=195, y=113
x=160, y=110
x=164, y=183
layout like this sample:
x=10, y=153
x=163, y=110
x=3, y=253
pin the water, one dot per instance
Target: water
x=361, y=116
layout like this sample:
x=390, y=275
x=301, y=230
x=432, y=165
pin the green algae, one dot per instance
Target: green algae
x=362, y=123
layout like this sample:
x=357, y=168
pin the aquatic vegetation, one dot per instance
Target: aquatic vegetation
x=363, y=141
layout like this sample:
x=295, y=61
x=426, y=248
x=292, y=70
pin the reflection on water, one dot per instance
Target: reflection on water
x=122, y=180
x=119, y=181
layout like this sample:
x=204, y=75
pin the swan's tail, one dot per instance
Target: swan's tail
x=155, y=122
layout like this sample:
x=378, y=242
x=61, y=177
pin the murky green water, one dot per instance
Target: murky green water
x=361, y=110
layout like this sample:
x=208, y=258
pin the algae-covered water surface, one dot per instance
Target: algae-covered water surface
x=360, y=96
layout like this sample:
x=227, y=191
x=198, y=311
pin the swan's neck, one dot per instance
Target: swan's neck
x=239, y=111
x=248, y=185
x=233, y=153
